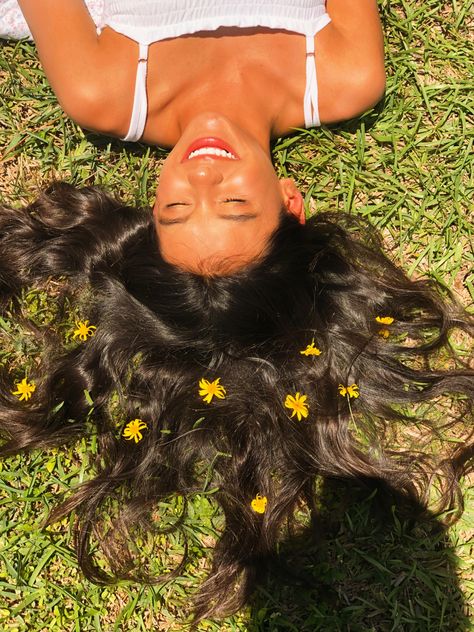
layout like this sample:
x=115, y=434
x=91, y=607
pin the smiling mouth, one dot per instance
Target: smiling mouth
x=212, y=147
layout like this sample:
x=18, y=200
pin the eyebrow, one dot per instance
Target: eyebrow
x=234, y=218
x=239, y=217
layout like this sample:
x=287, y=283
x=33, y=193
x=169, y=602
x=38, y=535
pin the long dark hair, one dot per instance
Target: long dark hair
x=161, y=330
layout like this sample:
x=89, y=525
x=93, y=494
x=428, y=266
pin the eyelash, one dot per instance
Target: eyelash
x=238, y=200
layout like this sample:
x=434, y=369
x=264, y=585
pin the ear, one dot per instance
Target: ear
x=292, y=199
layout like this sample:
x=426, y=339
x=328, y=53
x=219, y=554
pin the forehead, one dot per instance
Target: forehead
x=216, y=245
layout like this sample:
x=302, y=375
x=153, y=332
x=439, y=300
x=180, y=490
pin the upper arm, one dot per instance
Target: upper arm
x=88, y=74
x=350, y=60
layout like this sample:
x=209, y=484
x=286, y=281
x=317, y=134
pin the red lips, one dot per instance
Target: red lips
x=218, y=143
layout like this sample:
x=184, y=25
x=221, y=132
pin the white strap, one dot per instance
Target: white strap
x=310, y=103
x=140, y=100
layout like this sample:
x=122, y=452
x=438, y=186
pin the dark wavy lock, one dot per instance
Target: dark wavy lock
x=160, y=330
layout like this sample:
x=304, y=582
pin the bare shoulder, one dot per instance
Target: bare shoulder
x=101, y=99
x=90, y=74
x=350, y=60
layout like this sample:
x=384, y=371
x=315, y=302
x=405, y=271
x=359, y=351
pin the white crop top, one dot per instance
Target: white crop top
x=149, y=21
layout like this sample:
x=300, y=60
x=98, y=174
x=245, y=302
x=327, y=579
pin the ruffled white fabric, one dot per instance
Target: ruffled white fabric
x=14, y=26
x=148, y=21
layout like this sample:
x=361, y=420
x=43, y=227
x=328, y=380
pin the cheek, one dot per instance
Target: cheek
x=155, y=208
x=157, y=197
x=268, y=189
x=166, y=178
x=174, y=249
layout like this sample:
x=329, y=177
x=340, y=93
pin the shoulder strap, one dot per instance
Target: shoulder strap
x=310, y=103
x=140, y=100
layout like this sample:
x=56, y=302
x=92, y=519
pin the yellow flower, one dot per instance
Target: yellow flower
x=208, y=390
x=298, y=405
x=350, y=391
x=385, y=320
x=84, y=330
x=259, y=504
x=24, y=389
x=311, y=350
x=133, y=430
x=384, y=333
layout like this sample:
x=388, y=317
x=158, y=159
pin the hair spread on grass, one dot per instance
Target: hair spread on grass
x=161, y=330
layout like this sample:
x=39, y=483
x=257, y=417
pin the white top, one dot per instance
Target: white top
x=147, y=21
x=14, y=26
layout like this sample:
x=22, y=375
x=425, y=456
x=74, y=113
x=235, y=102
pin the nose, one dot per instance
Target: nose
x=204, y=173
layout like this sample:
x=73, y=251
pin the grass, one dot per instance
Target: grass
x=407, y=167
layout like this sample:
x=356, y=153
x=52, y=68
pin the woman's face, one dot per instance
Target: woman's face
x=219, y=198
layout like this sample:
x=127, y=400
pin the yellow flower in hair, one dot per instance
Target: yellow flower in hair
x=349, y=391
x=132, y=430
x=24, y=389
x=384, y=333
x=298, y=405
x=311, y=350
x=84, y=330
x=208, y=390
x=385, y=320
x=259, y=504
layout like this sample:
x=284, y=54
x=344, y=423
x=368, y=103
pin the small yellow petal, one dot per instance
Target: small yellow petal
x=385, y=320
x=24, y=389
x=208, y=390
x=259, y=504
x=298, y=405
x=351, y=390
x=83, y=330
x=132, y=431
x=311, y=350
x=384, y=333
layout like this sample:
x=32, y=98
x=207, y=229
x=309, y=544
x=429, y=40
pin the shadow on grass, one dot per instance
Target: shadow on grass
x=363, y=569
x=364, y=122
x=116, y=145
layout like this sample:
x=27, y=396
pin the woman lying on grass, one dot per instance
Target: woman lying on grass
x=228, y=348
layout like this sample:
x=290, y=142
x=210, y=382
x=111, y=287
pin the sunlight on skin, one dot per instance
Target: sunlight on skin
x=211, y=208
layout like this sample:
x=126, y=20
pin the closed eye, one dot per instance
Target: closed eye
x=241, y=200
x=233, y=218
x=176, y=204
x=168, y=222
x=240, y=218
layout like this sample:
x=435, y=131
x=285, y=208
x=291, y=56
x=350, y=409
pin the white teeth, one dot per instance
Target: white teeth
x=212, y=151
